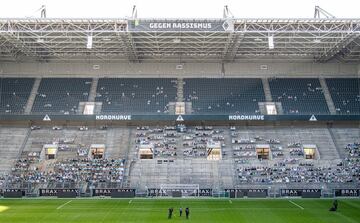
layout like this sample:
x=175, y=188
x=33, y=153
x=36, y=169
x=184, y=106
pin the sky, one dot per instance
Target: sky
x=177, y=8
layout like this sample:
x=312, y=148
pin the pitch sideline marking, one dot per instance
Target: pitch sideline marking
x=197, y=209
x=61, y=206
x=299, y=206
x=230, y=201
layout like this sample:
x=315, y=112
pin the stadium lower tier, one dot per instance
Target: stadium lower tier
x=164, y=159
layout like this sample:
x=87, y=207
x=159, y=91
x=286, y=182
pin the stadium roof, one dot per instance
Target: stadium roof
x=185, y=40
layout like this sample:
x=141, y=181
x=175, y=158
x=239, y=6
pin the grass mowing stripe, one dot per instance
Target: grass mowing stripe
x=61, y=206
x=109, y=211
x=345, y=217
x=299, y=206
x=351, y=203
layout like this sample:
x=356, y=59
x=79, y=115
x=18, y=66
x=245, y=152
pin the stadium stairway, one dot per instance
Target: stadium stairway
x=323, y=140
x=35, y=142
x=32, y=96
x=327, y=96
x=188, y=108
x=23, y=144
x=11, y=140
x=117, y=142
x=344, y=136
x=180, y=90
x=92, y=93
x=129, y=158
x=226, y=175
x=267, y=90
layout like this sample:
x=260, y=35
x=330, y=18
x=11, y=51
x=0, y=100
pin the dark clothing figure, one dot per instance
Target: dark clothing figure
x=180, y=211
x=170, y=213
x=187, y=212
x=335, y=206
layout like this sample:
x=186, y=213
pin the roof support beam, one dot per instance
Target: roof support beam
x=337, y=48
x=65, y=39
x=129, y=46
x=232, y=46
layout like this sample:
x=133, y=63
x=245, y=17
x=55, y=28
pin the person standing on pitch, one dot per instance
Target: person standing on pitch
x=169, y=213
x=187, y=212
x=180, y=211
x=335, y=205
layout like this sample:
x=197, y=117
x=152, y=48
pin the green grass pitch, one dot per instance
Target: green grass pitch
x=155, y=210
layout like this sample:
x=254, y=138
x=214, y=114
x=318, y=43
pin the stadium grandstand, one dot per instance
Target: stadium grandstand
x=135, y=107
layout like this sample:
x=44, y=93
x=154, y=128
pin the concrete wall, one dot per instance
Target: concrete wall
x=293, y=69
x=169, y=69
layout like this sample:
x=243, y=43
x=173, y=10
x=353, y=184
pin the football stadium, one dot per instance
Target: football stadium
x=180, y=120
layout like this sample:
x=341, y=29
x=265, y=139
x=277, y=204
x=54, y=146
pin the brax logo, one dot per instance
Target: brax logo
x=290, y=191
x=310, y=190
x=49, y=191
x=256, y=190
x=349, y=191
x=102, y=191
x=125, y=190
x=12, y=190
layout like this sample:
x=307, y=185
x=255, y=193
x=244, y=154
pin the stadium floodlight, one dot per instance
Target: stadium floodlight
x=271, y=42
x=89, y=41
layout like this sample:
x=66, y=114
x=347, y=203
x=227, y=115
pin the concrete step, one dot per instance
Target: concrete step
x=327, y=95
x=92, y=93
x=32, y=96
x=267, y=91
x=180, y=89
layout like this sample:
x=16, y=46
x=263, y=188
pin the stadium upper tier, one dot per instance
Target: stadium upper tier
x=224, y=96
x=294, y=96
